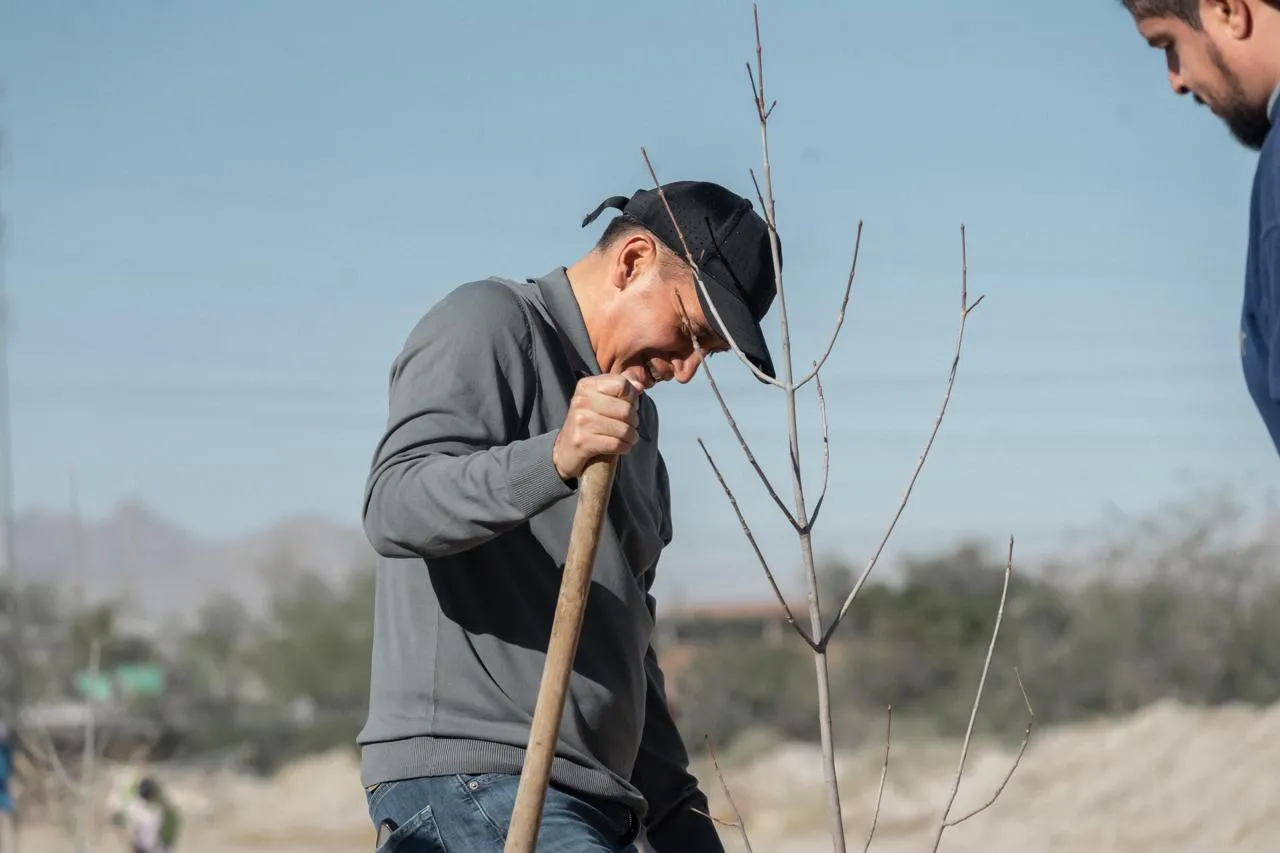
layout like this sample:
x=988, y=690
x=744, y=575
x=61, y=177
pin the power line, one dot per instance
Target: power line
x=326, y=390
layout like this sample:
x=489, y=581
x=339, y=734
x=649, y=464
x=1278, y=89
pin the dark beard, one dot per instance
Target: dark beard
x=1248, y=123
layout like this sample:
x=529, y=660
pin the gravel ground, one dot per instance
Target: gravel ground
x=1168, y=779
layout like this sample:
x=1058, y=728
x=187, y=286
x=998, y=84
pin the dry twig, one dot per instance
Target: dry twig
x=706, y=368
x=764, y=563
x=965, y=310
x=796, y=516
x=738, y=822
x=945, y=821
x=826, y=453
x=46, y=752
x=884, y=773
x=1017, y=759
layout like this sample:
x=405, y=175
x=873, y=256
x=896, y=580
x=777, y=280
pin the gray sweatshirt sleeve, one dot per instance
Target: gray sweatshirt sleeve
x=454, y=467
x=677, y=805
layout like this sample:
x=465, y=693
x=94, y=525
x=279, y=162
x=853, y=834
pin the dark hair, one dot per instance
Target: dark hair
x=619, y=227
x=148, y=789
x=1187, y=11
x=622, y=226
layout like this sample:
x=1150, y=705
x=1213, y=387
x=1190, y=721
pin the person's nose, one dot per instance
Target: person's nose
x=1176, y=82
x=686, y=368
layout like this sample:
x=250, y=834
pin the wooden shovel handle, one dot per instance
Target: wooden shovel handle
x=594, y=487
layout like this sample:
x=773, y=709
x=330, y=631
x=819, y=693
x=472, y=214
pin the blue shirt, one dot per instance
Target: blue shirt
x=1260, y=313
x=6, y=765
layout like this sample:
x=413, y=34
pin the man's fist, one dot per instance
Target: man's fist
x=602, y=421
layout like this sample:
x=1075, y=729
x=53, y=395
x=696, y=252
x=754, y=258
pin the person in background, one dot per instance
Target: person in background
x=148, y=816
x=7, y=828
x=1226, y=55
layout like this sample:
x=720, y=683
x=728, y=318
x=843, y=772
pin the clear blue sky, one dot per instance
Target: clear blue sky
x=224, y=218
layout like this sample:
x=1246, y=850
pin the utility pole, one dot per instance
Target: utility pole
x=79, y=572
x=9, y=581
x=13, y=700
x=6, y=457
x=6, y=478
x=8, y=571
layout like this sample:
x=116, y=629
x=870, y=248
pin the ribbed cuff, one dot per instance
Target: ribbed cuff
x=415, y=757
x=535, y=482
x=686, y=831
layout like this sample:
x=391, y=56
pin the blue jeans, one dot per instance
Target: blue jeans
x=460, y=814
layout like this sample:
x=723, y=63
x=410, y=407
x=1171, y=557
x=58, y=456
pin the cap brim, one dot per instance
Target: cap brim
x=742, y=327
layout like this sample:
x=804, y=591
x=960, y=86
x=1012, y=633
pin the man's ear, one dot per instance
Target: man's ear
x=636, y=256
x=1231, y=17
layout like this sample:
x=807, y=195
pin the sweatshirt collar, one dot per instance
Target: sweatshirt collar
x=562, y=305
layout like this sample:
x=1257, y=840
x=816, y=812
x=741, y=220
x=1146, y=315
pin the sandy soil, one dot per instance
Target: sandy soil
x=1168, y=779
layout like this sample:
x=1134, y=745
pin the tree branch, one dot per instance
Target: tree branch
x=746, y=528
x=844, y=304
x=739, y=823
x=800, y=522
x=1017, y=759
x=944, y=821
x=884, y=773
x=697, y=277
x=826, y=732
x=47, y=753
x=746, y=449
x=771, y=206
x=965, y=310
x=826, y=453
x=706, y=367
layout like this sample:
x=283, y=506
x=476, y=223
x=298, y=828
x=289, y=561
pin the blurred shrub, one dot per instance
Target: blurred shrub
x=1178, y=606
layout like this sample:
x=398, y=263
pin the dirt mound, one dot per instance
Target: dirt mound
x=315, y=799
x=1167, y=779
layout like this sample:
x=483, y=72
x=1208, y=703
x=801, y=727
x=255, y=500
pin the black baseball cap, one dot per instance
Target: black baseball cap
x=729, y=242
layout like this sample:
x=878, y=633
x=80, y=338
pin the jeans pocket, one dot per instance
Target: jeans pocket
x=374, y=793
x=479, y=781
x=419, y=834
x=493, y=796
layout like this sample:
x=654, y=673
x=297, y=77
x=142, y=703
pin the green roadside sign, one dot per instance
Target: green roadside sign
x=139, y=679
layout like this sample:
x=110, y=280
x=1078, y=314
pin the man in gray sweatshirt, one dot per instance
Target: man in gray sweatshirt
x=502, y=393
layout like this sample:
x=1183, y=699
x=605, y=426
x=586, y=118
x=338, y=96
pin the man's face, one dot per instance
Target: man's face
x=646, y=334
x=1213, y=65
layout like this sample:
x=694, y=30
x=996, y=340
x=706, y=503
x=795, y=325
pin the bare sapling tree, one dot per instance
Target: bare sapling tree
x=80, y=784
x=802, y=521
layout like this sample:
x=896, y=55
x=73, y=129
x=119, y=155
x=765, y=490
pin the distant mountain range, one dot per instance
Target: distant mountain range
x=166, y=571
